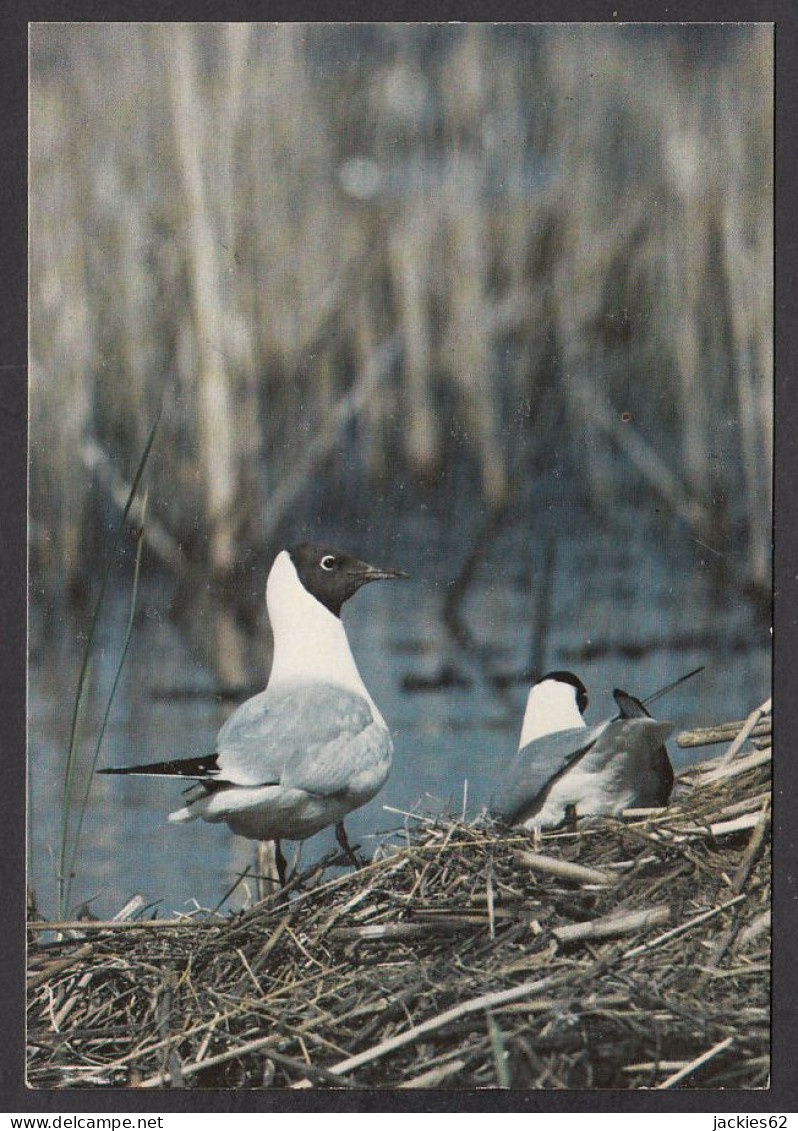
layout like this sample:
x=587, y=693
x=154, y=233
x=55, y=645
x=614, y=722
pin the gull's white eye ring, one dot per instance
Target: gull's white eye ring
x=327, y=562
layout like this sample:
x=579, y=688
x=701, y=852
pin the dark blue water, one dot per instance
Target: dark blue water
x=612, y=599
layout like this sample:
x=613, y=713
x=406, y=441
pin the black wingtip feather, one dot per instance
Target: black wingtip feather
x=629, y=706
x=198, y=768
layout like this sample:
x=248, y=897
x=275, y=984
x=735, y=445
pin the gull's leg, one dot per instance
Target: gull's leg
x=341, y=837
x=281, y=864
x=267, y=868
x=261, y=864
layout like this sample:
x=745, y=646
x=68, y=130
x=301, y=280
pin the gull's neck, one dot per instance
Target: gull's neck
x=551, y=706
x=310, y=643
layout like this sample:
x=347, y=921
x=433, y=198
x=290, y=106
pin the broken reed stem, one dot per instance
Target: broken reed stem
x=752, y=851
x=434, y=1076
x=623, y=923
x=655, y=1066
x=688, y=1069
x=124, y=925
x=750, y=762
x=694, y=922
x=483, y=1002
x=211, y=1061
x=396, y=931
x=748, y=729
x=709, y=736
x=737, y=825
x=563, y=869
x=206, y=1026
x=56, y=966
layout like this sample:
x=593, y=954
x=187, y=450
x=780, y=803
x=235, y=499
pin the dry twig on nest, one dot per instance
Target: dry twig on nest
x=385, y=976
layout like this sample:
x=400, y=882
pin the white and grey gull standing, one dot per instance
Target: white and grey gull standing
x=563, y=764
x=313, y=745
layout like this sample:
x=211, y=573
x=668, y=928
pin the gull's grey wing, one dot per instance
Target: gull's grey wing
x=647, y=761
x=655, y=779
x=305, y=736
x=632, y=742
x=356, y=762
x=525, y=781
x=629, y=761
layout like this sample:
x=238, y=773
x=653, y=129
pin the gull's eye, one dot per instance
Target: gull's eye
x=327, y=562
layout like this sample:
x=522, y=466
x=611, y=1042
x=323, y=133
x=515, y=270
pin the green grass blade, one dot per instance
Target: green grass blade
x=66, y=798
x=69, y=769
x=103, y=726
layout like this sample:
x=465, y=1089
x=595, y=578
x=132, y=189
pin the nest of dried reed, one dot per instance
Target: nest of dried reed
x=620, y=954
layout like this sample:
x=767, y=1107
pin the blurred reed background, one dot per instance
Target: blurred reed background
x=374, y=271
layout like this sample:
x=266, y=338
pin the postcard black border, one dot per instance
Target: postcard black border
x=14, y=1096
